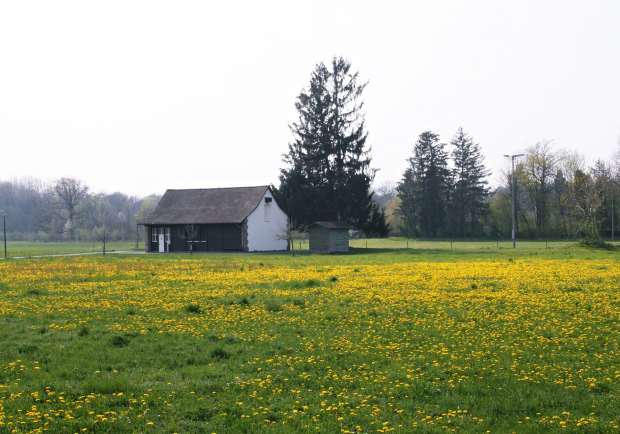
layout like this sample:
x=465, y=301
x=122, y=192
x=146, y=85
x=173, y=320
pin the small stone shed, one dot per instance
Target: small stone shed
x=329, y=237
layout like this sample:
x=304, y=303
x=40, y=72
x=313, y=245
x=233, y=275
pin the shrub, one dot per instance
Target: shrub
x=105, y=386
x=193, y=308
x=296, y=284
x=219, y=354
x=272, y=306
x=200, y=414
x=598, y=244
x=119, y=341
x=244, y=301
x=27, y=348
x=83, y=331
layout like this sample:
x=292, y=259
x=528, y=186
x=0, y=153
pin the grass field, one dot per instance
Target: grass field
x=21, y=249
x=428, y=339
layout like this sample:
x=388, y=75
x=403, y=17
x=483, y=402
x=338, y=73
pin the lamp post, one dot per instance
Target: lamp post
x=137, y=236
x=512, y=157
x=4, y=225
x=613, y=238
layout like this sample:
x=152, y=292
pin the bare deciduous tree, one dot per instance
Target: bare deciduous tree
x=385, y=192
x=100, y=234
x=540, y=170
x=69, y=193
x=573, y=162
x=289, y=231
x=189, y=234
x=588, y=193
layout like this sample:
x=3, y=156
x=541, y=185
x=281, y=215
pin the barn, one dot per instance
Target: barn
x=329, y=237
x=239, y=219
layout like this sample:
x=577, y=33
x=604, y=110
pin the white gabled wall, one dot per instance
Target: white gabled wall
x=261, y=233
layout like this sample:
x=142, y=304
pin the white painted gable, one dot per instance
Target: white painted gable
x=263, y=223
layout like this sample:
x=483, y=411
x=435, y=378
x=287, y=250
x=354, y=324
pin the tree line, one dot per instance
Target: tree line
x=557, y=194
x=444, y=192
x=67, y=210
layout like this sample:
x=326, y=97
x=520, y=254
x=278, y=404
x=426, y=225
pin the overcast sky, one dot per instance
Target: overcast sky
x=141, y=96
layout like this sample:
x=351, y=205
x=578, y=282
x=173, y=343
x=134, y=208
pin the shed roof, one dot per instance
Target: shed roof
x=334, y=225
x=206, y=205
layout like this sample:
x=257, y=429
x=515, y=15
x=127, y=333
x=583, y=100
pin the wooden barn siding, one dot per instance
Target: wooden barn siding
x=147, y=238
x=223, y=238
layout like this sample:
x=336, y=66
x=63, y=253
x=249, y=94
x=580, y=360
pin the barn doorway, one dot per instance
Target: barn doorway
x=162, y=247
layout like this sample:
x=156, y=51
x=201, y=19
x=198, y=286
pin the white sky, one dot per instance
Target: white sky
x=140, y=96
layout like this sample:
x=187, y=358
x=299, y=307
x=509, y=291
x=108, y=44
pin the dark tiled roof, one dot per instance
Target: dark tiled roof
x=334, y=225
x=207, y=205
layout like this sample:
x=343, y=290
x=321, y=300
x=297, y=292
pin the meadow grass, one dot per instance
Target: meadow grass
x=461, y=245
x=374, y=341
x=24, y=248
x=460, y=248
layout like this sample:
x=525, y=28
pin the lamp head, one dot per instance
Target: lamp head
x=507, y=156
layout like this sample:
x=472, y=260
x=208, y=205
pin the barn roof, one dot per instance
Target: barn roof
x=334, y=225
x=206, y=205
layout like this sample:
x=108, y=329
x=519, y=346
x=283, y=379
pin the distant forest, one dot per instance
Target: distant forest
x=68, y=210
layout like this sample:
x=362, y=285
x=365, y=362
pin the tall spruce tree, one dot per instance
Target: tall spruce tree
x=424, y=188
x=328, y=173
x=469, y=189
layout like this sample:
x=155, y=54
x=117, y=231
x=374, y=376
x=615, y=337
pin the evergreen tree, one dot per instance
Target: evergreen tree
x=469, y=190
x=377, y=225
x=424, y=188
x=329, y=175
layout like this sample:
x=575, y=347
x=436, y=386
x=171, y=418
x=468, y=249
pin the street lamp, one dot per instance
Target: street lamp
x=137, y=236
x=512, y=157
x=4, y=225
x=613, y=238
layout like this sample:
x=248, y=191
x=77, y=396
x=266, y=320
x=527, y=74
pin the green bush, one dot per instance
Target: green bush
x=193, y=308
x=119, y=341
x=219, y=354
